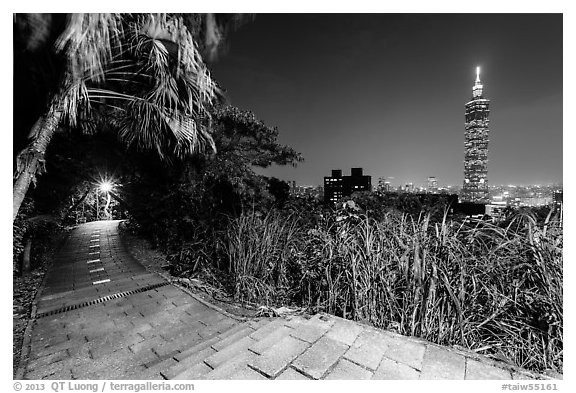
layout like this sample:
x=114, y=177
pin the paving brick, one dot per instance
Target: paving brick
x=153, y=372
x=232, y=338
x=147, y=344
x=478, y=370
x=41, y=350
x=110, y=344
x=172, y=371
x=276, y=358
x=161, y=364
x=195, y=372
x=311, y=330
x=439, y=363
x=181, y=300
x=61, y=374
x=295, y=321
x=320, y=357
x=162, y=320
x=52, y=340
x=232, y=366
x=80, y=351
x=390, y=369
x=269, y=328
x=180, y=330
x=169, y=291
x=47, y=360
x=246, y=373
x=232, y=350
x=196, y=348
x=259, y=323
x=404, y=351
x=221, y=328
x=368, y=349
x=150, y=310
x=210, y=317
x=344, y=331
x=345, y=369
x=171, y=347
x=269, y=340
x=121, y=365
x=47, y=371
x=292, y=375
x=140, y=328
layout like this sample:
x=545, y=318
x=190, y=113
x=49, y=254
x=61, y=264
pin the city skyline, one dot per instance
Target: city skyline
x=387, y=92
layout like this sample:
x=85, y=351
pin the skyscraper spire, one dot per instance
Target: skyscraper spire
x=477, y=88
x=475, y=187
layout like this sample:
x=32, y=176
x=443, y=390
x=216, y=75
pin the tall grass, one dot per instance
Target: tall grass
x=258, y=249
x=494, y=290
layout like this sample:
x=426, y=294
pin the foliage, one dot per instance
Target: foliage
x=495, y=290
x=377, y=204
x=140, y=76
x=43, y=230
x=258, y=249
x=19, y=228
x=194, y=197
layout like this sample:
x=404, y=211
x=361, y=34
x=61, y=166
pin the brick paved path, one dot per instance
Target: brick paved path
x=101, y=315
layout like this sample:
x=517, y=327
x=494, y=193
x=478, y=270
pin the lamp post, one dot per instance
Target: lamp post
x=104, y=186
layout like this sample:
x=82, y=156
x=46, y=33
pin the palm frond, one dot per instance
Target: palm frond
x=88, y=41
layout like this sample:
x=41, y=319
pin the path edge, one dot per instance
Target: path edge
x=27, y=339
x=175, y=282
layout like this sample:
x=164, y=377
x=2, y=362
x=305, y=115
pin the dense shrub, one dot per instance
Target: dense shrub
x=495, y=290
x=42, y=230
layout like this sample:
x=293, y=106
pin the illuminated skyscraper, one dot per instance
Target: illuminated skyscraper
x=475, y=188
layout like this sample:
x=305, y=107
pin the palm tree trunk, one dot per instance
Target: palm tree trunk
x=30, y=161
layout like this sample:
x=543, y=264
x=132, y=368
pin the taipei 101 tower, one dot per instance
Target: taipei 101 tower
x=475, y=188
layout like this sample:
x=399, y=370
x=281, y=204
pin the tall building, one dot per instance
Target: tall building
x=475, y=188
x=557, y=198
x=383, y=185
x=338, y=186
x=432, y=185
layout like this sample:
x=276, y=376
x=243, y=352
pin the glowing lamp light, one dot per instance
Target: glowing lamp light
x=105, y=186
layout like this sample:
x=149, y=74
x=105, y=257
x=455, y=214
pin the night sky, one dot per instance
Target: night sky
x=386, y=92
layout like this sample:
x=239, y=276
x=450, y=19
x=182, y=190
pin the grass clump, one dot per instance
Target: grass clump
x=496, y=290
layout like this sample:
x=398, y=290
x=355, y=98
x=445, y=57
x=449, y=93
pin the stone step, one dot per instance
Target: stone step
x=194, y=372
x=266, y=341
x=243, y=331
x=255, y=349
x=190, y=361
x=237, y=364
x=188, y=356
x=227, y=355
x=229, y=352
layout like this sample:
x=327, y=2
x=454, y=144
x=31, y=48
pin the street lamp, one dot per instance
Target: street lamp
x=104, y=186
